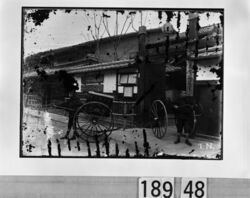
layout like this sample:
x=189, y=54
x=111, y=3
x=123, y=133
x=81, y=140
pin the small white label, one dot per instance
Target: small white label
x=194, y=188
x=156, y=187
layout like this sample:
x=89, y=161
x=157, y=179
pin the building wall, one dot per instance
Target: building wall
x=109, y=82
x=127, y=48
x=92, y=81
x=47, y=90
x=72, y=54
x=210, y=122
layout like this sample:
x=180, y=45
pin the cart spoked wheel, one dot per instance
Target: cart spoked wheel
x=160, y=119
x=94, y=119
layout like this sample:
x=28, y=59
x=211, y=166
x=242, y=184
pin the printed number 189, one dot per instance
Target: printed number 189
x=154, y=188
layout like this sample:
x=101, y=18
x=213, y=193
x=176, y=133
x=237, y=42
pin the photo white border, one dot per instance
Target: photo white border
x=236, y=130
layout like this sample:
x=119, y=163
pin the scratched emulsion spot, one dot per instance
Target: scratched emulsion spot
x=191, y=151
x=218, y=156
x=38, y=16
x=45, y=130
x=24, y=126
x=29, y=147
x=49, y=129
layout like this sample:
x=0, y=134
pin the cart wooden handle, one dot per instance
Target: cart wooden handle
x=64, y=108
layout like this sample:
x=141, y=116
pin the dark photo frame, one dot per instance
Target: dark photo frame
x=176, y=56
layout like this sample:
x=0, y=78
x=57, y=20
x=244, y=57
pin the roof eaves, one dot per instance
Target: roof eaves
x=86, y=68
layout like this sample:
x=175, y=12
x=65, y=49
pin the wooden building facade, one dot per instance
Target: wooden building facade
x=138, y=66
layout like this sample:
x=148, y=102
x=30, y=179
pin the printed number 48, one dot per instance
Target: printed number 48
x=197, y=191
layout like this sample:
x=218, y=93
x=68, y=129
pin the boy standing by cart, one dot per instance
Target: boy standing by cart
x=184, y=110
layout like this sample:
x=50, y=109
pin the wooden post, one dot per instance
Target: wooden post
x=89, y=150
x=98, y=152
x=189, y=78
x=137, y=152
x=190, y=71
x=78, y=146
x=124, y=115
x=49, y=147
x=151, y=81
x=166, y=48
x=142, y=43
x=69, y=145
x=145, y=144
x=116, y=86
x=142, y=69
x=117, y=150
x=127, y=153
x=58, y=147
x=107, y=145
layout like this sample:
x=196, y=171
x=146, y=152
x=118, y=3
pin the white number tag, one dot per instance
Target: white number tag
x=156, y=188
x=194, y=188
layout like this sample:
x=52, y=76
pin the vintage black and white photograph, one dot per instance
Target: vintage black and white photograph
x=122, y=83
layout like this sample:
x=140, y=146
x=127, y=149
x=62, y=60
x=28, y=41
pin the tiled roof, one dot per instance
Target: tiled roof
x=204, y=31
x=86, y=68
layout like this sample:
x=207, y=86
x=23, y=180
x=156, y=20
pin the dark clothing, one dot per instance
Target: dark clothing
x=186, y=124
x=68, y=81
x=185, y=107
x=185, y=114
x=72, y=105
x=71, y=120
